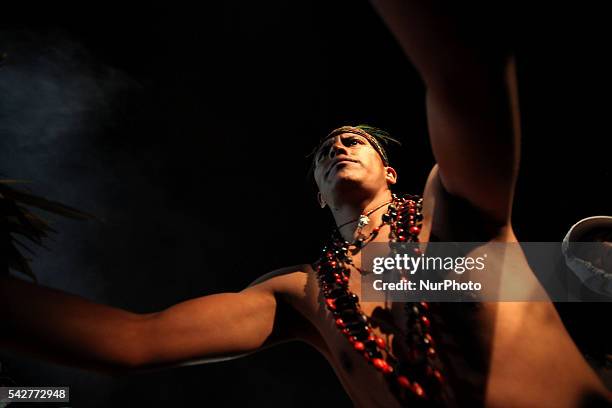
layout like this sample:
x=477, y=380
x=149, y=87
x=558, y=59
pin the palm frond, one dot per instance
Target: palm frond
x=16, y=220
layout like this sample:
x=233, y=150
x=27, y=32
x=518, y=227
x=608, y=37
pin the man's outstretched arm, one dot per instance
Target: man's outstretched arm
x=71, y=330
x=472, y=108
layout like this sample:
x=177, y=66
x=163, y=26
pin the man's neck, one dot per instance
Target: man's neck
x=348, y=213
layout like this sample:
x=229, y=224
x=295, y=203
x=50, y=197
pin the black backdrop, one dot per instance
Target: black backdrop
x=186, y=132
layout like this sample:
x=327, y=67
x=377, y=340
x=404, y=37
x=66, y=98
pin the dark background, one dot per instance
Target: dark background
x=186, y=132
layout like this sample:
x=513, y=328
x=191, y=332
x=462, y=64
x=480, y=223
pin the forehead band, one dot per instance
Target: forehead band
x=373, y=141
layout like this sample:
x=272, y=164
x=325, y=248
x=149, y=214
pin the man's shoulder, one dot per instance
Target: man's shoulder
x=294, y=285
x=284, y=276
x=449, y=217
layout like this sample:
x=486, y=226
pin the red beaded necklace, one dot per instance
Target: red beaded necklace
x=419, y=379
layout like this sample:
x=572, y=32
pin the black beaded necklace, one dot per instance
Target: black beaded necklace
x=420, y=379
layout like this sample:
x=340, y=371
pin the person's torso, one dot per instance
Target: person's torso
x=495, y=354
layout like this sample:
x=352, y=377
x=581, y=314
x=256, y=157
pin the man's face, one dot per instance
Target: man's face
x=348, y=160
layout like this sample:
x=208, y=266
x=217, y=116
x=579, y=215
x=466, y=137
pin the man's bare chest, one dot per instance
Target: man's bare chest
x=388, y=324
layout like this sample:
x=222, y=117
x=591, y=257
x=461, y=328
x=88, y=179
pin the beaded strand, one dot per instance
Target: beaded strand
x=421, y=378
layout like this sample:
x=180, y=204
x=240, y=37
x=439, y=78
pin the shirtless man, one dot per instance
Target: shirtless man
x=502, y=355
